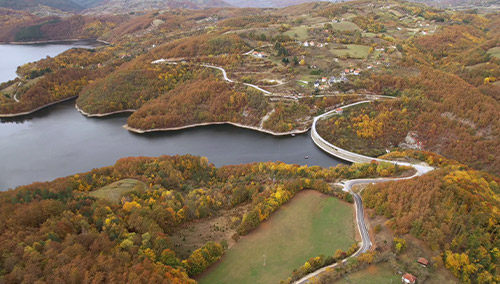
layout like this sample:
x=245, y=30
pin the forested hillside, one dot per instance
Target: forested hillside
x=446, y=98
x=64, y=5
x=268, y=3
x=55, y=28
x=140, y=6
x=76, y=229
x=440, y=66
x=454, y=210
x=108, y=6
x=431, y=76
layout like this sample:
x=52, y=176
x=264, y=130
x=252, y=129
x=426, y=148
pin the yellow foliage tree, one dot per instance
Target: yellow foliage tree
x=128, y=206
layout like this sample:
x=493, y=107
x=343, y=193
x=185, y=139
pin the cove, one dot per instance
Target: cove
x=58, y=141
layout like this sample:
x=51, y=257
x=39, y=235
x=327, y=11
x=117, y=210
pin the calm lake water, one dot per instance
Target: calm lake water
x=59, y=141
x=16, y=55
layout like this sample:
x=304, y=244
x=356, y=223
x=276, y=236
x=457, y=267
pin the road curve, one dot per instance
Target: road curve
x=224, y=74
x=221, y=69
x=366, y=243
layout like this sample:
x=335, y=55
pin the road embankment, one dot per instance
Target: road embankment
x=343, y=154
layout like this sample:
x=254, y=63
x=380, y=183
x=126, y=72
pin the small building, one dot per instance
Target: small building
x=306, y=43
x=257, y=54
x=422, y=261
x=324, y=79
x=339, y=110
x=356, y=72
x=409, y=279
x=346, y=71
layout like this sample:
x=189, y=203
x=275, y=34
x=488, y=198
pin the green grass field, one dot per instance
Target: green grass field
x=345, y=26
x=116, y=190
x=369, y=35
x=300, y=31
x=349, y=16
x=495, y=51
x=309, y=225
x=374, y=274
x=354, y=51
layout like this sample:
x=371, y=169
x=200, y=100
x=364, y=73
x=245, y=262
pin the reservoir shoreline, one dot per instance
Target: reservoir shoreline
x=57, y=141
x=20, y=114
x=141, y=131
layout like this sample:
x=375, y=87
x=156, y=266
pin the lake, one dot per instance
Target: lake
x=16, y=55
x=59, y=141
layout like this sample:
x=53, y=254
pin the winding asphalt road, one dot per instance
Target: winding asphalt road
x=366, y=243
x=224, y=73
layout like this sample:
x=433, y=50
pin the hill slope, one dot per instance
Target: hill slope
x=111, y=6
x=271, y=3
x=64, y=5
x=126, y=6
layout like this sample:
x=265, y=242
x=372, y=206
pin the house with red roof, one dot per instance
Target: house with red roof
x=409, y=279
x=422, y=261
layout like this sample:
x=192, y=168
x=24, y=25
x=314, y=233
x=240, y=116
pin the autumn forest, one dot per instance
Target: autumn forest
x=425, y=86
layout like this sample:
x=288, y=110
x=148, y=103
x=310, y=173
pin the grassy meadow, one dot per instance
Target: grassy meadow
x=309, y=225
x=495, y=51
x=116, y=190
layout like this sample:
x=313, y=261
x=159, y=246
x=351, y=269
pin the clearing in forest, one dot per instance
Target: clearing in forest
x=353, y=50
x=116, y=190
x=299, y=33
x=309, y=225
x=495, y=51
x=345, y=26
